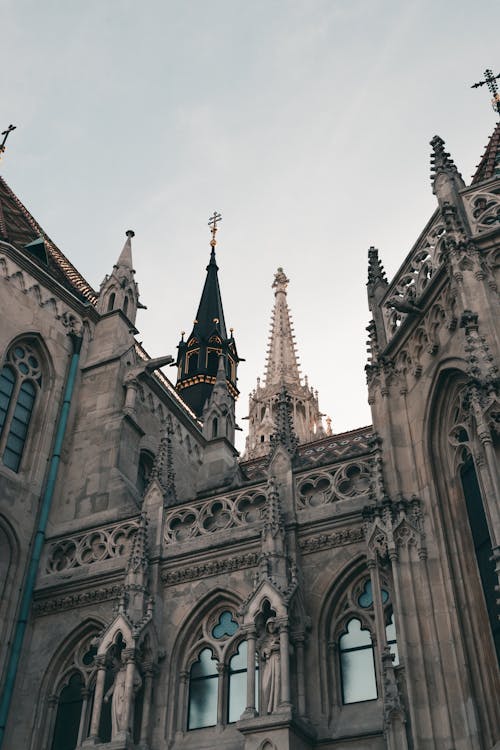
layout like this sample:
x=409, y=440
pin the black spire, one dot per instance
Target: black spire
x=198, y=356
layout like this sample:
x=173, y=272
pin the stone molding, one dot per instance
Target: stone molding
x=209, y=568
x=79, y=599
x=335, y=539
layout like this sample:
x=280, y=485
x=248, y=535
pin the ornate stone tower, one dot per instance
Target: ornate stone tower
x=282, y=371
x=198, y=357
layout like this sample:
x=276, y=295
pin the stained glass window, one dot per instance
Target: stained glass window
x=356, y=664
x=203, y=688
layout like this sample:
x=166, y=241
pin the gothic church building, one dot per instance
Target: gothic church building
x=320, y=592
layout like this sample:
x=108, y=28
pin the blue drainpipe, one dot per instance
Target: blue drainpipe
x=24, y=610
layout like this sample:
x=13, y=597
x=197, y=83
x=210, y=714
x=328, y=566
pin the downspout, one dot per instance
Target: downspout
x=39, y=538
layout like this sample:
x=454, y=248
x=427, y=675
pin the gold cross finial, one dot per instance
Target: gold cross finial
x=491, y=81
x=212, y=223
x=5, y=134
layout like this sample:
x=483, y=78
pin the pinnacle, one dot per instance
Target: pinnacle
x=125, y=259
x=441, y=160
x=376, y=270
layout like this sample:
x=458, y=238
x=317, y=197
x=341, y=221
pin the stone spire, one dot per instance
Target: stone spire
x=489, y=166
x=163, y=468
x=284, y=434
x=119, y=290
x=282, y=365
x=135, y=602
x=282, y=371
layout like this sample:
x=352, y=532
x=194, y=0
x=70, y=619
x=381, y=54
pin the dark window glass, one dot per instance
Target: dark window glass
x=215, y=427
x=238, y=683
x=111, y=301
x=226, y=626
x=19, y=426
x=146, y=461
x=125, y=305
x=69, y=711
x=7, y=382
x=203, y=685
x=482, y=547
x=357, y=666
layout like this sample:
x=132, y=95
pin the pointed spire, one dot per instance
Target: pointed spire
x=198, y=356
x=163, y=467
x=282, y=371
x=443, y=164
x=119, y=290
x=282, y=365
x=125, y=258
x=489, y=166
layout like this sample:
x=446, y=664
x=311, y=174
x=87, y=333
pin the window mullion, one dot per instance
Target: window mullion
x=222, y=694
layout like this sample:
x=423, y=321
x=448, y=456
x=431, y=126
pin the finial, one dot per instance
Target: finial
x=280, y=282
x=212, y=222
x=130, y=233
x=375, y=268
x=6, y=134
x=491, y=81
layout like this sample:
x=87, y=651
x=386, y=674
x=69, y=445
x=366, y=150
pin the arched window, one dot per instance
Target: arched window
x=215, y=427
x=217, y=673
x=68, y=717
x=357, y=665
x=125, y=304
x=111, y=301
x=20, y=382
x=203, y=686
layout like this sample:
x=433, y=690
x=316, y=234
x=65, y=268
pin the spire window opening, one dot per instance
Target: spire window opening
x=111, y=302
x=144, y=469
x=125, y=304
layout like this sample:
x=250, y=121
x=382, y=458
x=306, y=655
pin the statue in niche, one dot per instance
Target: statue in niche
x=271, y=672
x=119, y=700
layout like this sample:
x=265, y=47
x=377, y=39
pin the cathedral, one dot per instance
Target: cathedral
x=321, y=591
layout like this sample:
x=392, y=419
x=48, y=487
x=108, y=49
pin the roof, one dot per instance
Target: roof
x=19, y=228
x=322, y=452
x=210, y=314
x=490, y=161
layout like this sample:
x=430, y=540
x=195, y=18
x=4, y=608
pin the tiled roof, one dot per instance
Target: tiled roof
x=321, y=452
x=490, y=159
x=19, y=228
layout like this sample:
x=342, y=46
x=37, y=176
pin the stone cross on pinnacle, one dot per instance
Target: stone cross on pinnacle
x=491, y=81
x=6, y=134
x=212, y=222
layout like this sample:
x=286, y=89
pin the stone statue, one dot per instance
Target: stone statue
x=120, y=698
x=271, y=672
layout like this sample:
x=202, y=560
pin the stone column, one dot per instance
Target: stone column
x=250, y=710
x=98, y=695
x=129, y=658
x=301, y=691
x=130, y=395
x=146, y=703
x=50, y=719
x=285, y=662
x=83, y=715
x=221, y=702
x=183, y=694
x=378, y=605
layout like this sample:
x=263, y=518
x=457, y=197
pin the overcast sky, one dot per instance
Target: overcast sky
x=306, y=123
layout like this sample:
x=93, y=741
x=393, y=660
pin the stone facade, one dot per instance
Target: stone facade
x=330, y=591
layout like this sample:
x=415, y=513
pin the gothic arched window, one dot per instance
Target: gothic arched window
x=20, y=382
x=69, y=712
x=357, y=665
x=217, y=673
x=111, y=301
